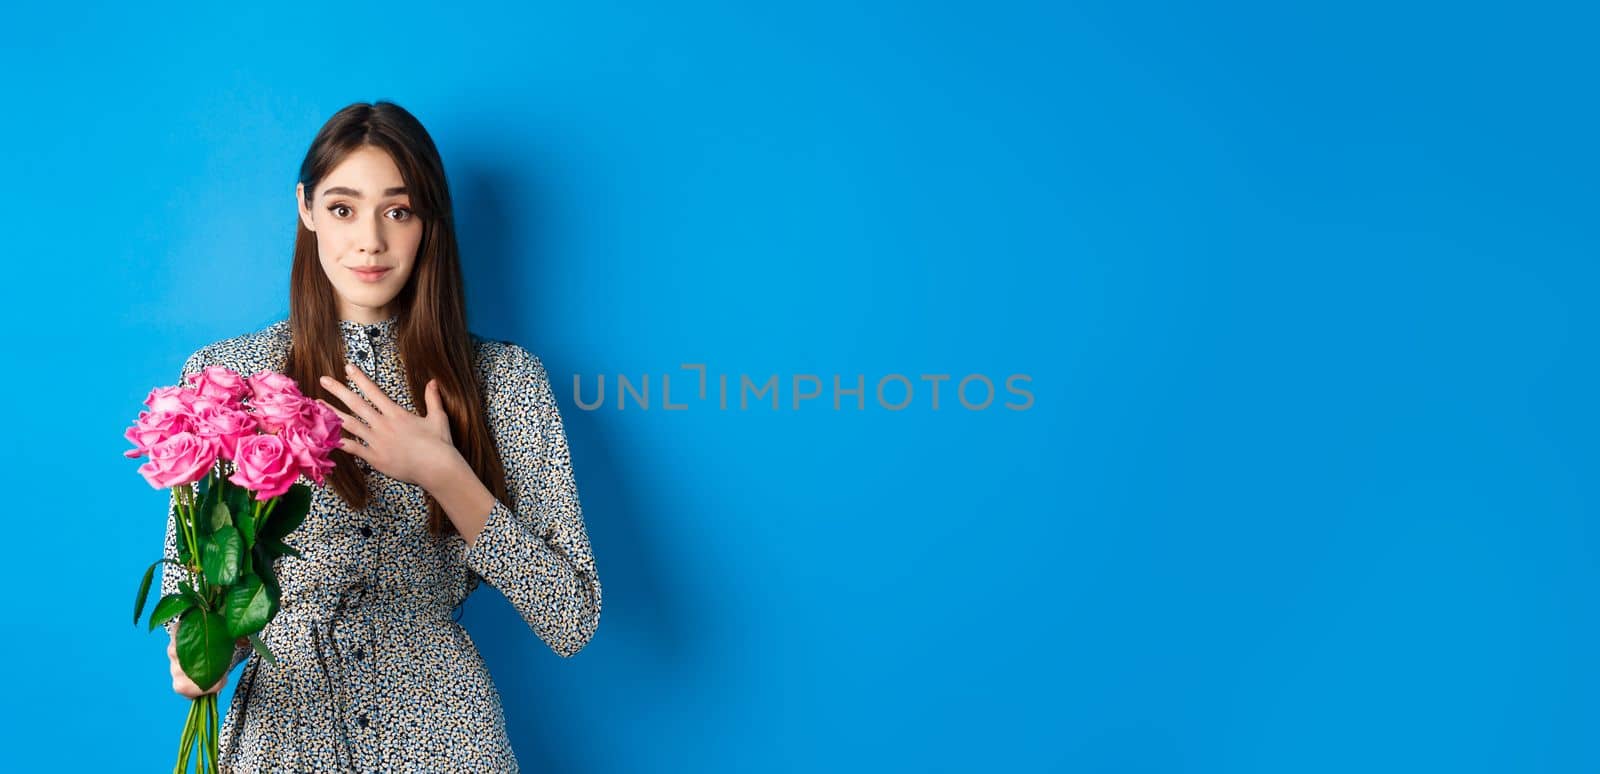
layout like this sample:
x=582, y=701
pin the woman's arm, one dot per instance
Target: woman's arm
x=535, y=550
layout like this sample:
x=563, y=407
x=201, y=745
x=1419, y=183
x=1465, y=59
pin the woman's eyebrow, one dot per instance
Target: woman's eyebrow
x=339, y=189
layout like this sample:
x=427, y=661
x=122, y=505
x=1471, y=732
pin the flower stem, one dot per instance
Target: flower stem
x=216, y=729
x=185, y=515
x=204, y=734
x=192, y=534
x=186, y=744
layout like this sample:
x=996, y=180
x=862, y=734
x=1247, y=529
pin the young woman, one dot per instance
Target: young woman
x=454, y=469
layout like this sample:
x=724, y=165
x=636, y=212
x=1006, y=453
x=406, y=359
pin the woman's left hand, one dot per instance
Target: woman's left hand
x=399, y=444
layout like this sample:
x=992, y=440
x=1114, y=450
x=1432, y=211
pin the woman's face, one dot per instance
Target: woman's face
x=363, y=220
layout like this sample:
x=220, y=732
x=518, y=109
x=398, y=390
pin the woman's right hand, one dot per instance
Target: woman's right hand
x=180, y=680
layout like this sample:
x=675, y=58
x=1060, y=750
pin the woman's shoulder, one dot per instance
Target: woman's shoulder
x=505, y=363
x=265, y=348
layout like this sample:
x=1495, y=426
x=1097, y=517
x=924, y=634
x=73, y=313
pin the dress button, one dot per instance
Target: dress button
x=362, y=721
x=360, y=654
x=366, y=532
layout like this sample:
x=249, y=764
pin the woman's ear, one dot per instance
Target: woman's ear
x=301, y=207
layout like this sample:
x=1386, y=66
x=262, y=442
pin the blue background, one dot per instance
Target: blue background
x=1303, y=292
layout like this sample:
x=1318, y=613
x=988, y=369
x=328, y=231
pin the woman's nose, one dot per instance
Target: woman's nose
x=373, y=238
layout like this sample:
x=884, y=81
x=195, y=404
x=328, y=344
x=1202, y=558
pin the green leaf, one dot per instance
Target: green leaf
x=221, y=556
x=276, y=548
x=247, y=526
x=205, y=650
x=290, y=511
x=204, y=509
x=261, y=648
x=249, y=607
x=239, y=499
x=144, y=591
x=169, y=606
x=265, y=569
x=246, y=562
x=220, y=516
x=144, y=585
x=192, y=595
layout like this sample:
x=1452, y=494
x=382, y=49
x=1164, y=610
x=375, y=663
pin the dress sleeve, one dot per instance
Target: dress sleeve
x=535, y=550
x=172, y=574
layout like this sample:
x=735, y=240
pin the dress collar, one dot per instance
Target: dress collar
x=378, y=331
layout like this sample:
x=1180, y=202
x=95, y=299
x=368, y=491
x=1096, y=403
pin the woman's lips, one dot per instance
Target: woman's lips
x=370, y=276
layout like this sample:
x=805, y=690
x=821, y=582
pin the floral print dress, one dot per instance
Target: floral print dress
x=372, y=672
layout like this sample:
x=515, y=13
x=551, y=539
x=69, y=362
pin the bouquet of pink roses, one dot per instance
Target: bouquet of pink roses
x=232, y=450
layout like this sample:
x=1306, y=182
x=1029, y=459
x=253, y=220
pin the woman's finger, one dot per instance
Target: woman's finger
x=373, y=392
x=430, y=397
x=436, y=408
x=353, y=447
x=348, y=397
x=354, y=425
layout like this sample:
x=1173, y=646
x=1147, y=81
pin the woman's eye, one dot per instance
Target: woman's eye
x=342, y=211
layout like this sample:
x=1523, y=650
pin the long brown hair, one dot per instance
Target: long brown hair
x=430, y=311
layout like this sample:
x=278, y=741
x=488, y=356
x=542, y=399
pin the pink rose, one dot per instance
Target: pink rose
x=265, y=383
x=276, y=409
x=307, y=451
x=224, y=426
x=265, y=466
x=179, y=460
x=323, y=424
x=170, y=400
x=313, y=437
x=201, y=403
x=220, y=383
x=154, y=427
